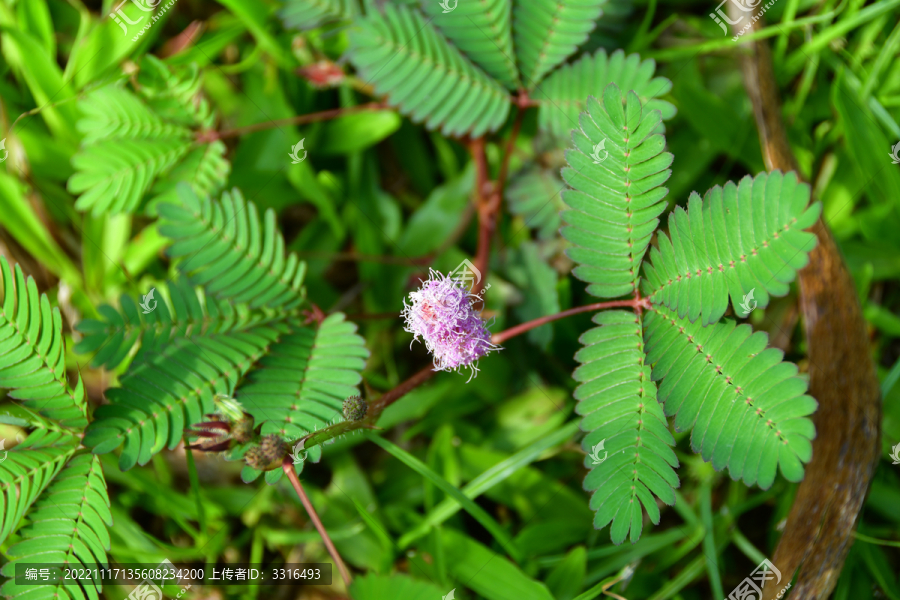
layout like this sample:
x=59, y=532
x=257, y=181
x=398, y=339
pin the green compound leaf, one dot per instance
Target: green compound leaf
x=378, y=587
x=747, y=409
x=301, y=384
x=562, y=97
x=174, y=93
x=171, y=389
x=536, y=196
x=32, y=352
x=135, y=143
x=230, y=253
x=628, y=442
x=309, y=14
x=112, y=111
x=112, y=177
x=745, y=241
x=547, y=32
x=204, y=167
x=617, y=169
x=187, y=314
x=68, y=524
x=406, y=58
x=27, y=471
x=482, y=30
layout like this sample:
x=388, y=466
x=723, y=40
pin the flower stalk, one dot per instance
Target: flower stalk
x=288, y=466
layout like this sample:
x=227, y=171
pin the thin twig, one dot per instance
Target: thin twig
x=211, y=136
x=489, y=194
x=288, y=466
x=636, y=303
x=391, y=396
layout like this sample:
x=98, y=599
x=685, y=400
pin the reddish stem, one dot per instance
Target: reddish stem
x=391, y=396
x=636, y=304
x=314, y=314
x=288, y=466
x=488, y=194
x=211, y=136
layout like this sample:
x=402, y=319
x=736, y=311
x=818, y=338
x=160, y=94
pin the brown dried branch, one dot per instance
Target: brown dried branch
x=819, y=528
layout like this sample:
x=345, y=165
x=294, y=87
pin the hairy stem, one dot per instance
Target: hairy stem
x=288, y=466
x=391, y=396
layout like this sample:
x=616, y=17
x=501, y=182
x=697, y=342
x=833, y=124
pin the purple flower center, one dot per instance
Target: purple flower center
x=443, y=314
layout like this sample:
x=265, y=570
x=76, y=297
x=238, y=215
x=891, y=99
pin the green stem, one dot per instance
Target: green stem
x=870, y=540
x=637, y=42
x=709, y=540
x=195, y=488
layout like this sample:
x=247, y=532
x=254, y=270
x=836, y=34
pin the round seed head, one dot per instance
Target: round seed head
x=254, y=459
x=273, y=448
x=242, y=430
x=355, y=408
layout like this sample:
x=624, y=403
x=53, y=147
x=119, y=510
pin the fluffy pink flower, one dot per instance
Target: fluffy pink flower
x=443, y=313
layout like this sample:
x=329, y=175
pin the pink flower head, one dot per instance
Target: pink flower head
x=443, y=313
